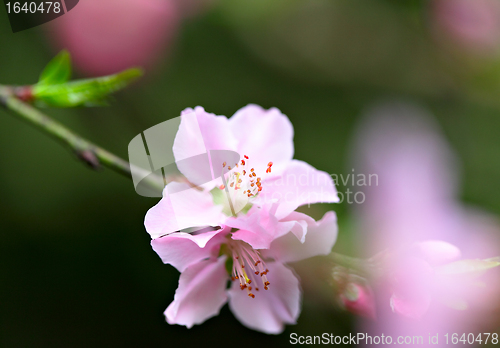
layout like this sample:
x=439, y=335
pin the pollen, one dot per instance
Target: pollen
x=245, y=180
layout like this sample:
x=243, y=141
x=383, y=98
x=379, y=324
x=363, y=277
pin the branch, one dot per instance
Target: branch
x=91, y=154
x=362, y=267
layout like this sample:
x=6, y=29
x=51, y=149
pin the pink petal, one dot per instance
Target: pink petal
x=270, y=309
x=299, y=184
x=320, y=238
x=437, y=252
x=302, y=222
x=258, y=227
x=182, y=207
x=201, y=293
x=183, y=249
x=412, y=281
x=264, y=136
x=198, y=133
x=413, y=309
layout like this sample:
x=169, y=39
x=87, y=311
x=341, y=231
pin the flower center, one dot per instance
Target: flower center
x=241, y=186
x=248, y=267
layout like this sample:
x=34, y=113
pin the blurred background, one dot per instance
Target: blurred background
x=76, y=266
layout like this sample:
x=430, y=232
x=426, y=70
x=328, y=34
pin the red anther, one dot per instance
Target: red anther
x=253, y=174
x=251, y=170
x=266, y=288
x=251, y=295
x=243, y=162
x=229, y=168
x=237, y=277
x=240, y=181
x=244, y=172
x=245, y=156
x=260, y=188
x=257, y=262
x=223, y=164
x=222, y=187
x=237, y=257
x=232, y=184
x=256, y=289
x=270, y=164
x=258, y=179
x=252, y=185
x=242, y=266
x=250, y=288
x=249, y=281
x=256, y=272
x=268, y=170
x=242, y=287
x=233, y=278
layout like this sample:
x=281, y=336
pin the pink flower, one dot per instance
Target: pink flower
x=105, y=37
x=415, y=200
x=253, y=228
x=472, y=24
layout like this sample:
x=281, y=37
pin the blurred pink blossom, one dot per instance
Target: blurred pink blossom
x=105, y=37
x=415, y=209
x=473, y=24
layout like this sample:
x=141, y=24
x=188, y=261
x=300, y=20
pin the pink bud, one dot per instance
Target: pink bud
x=359, y=300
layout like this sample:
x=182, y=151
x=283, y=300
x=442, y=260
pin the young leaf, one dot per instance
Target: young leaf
x=87, y=92
x=467, y=267
x=58, y=70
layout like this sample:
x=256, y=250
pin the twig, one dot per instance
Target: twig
x=91, y=154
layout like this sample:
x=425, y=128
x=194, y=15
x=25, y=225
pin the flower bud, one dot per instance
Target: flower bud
x=359, y=299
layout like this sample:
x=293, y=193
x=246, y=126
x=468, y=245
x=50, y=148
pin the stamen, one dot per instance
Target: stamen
x=244, y=255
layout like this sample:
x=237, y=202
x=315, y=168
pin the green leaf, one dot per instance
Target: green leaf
x=467, y=267
x=87, y=92
x=58, y=70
